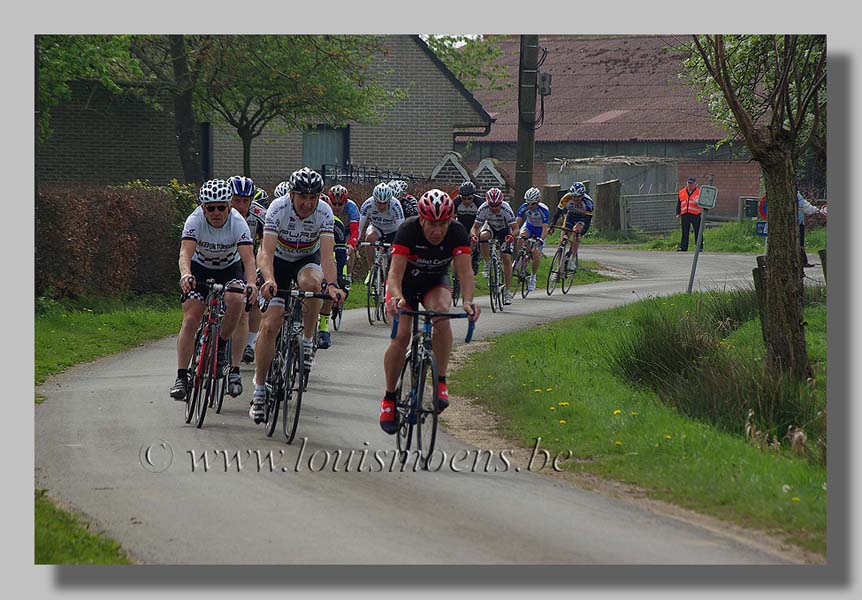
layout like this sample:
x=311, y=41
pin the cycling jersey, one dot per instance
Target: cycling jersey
x=409, y=205
x=386, y=221
x=216, y=247
x=536, y=217
x=341, y=232
x=571, y=206
x=256, y=219
x=350, y=220
x=466, y=213
x=297, y=238
x=503, y=219
x=423, y=258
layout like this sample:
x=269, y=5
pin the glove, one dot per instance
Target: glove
x=474, y=239
x=510, y=238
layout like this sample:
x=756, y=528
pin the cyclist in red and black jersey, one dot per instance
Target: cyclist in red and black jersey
x=423, y=248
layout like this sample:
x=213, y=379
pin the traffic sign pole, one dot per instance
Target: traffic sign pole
x=709, y=202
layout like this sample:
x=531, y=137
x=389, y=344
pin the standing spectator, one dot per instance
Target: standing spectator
x=688, y=209
x=803, y=208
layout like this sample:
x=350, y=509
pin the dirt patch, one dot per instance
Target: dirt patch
x=472, y=423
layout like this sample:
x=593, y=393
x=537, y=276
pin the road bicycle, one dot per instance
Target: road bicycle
x=286, y=380
x=418, y=404
x=496, y=277
x=377, y=282
x=522, y=267
x=205, y=386
x=563, y=267
x=456, y=283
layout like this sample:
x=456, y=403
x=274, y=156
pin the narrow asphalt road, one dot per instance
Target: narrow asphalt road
x=98, y=420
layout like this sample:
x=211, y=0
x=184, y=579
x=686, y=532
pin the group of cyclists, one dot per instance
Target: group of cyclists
x=306, y=238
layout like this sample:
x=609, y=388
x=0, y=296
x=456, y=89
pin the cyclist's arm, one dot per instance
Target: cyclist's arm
x=187, y=249
x=513, y=227
x=544, y=231
x=265, y=254
x=246, y=253
x=397, y=266
x=327, y=248
x=477, y=225
x=353, y=237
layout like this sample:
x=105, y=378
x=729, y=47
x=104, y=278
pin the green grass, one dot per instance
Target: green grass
x=69, y=332
x=63, y=538
x=737, y=237
x=559, y=387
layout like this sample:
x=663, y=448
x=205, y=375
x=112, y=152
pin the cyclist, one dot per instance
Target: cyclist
x=408, y=202
x=384, y=216
x=255, y=218
x=261, y=197
x=532, y=223
x=282, y=189
x=465, y=211
x=578, y=207
x=298, y=232
x=421, y=253
x=346, y=216
x=495, y=218
x=216, y=244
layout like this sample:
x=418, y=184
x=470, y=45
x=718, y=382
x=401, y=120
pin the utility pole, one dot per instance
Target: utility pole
x=527, y=74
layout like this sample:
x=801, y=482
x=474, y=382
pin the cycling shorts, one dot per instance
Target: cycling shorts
x=232, y=276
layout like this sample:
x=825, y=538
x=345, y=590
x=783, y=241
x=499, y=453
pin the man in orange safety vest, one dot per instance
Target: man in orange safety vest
x=688, y=212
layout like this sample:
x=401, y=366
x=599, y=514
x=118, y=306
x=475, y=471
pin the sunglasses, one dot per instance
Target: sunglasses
x=218, y=207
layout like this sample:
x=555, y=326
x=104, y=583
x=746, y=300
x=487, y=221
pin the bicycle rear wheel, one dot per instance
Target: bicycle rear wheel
x=336, y=317
x=293, y=388
x=456, y=289
x=405, y=417
x=381, y=296
x=569, y=277
x=524, y=278
x=555, y=270
x=427, y=408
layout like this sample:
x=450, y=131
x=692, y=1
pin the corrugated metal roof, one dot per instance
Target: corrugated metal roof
x=612, y=89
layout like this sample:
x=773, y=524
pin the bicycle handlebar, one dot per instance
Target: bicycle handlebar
x=379, y=244
x=210, y=284
x=432, y=314
x=286, y=294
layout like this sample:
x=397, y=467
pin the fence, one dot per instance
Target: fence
x=347, y=174
x=652, y=213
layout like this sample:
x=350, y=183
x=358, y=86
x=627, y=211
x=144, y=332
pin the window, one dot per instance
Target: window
x=325, y=145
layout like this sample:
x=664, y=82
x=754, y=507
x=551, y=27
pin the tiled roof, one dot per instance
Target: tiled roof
x=605, y=88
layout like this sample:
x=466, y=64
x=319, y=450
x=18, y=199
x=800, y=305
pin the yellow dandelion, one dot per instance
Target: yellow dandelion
x=795, y=499
x=667, y=436
x=551, y=408
x=537, y=390
x=563, y=403
x=617, y=411
x=618, y=443
x=562, y=421
x=549, y=389
x=634, y=413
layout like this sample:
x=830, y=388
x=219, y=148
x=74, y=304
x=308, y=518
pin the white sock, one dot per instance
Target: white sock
x=252, y=338
x=307, y=341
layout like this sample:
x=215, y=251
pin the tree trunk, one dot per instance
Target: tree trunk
x=785, y=336
x=184, y=114
x=246, y=138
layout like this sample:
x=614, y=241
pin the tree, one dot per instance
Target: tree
x=472, y=59
x=770, y=91
x=297, y=81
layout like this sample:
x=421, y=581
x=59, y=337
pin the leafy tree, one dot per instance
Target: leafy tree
x=296, y=81
x=472, y=59
x=769, y=90
x=65, y=58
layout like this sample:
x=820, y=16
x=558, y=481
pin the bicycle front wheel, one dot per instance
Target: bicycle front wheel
x=525, y=279
x=293, y=386
x=208, y=378
x=555, y=271
x=275, y=385
x=405, y=416
x=193, y=392
x=493, y=286
x=221, y=382
x=371, y=303
x=427, y=408
x=456, y=290
x=336, y=317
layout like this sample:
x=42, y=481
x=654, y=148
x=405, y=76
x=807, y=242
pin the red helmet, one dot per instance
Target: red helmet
x=494, y=197
x=338, y=194
x=436, y=205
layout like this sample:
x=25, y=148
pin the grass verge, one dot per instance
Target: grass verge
x=558, y=386
x=62, y=538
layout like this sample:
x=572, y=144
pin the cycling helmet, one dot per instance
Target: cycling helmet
x=382, y=193
x=466, y=189
x=532, y=195
x=282, y=189
x=577, y=189
x=398, y=187
x=216, y=190
x=260, y=196
x=306, y=181
x=436, y=205
x=338, y=194
x=241, y=186
x=494, y=197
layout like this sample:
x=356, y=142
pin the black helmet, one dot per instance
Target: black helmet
x=306, y=181
x=467, y=189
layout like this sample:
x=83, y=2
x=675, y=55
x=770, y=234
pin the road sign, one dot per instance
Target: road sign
x=760, y=228
x=761, y=207
x=707, y=196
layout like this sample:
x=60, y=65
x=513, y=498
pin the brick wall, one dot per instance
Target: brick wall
x=411, y=137
x=733, y=179
x=102, y=138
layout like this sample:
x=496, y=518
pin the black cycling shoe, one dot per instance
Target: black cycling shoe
x=178, y=391
x=248, y=355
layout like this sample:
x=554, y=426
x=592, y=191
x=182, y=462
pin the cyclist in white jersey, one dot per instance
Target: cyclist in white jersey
x=383, y=215
x=495, y=218
x=532, y=223
x=298, y=232
x=216, y=244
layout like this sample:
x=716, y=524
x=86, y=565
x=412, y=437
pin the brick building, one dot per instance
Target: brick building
x=102, y=138
x=614, y=96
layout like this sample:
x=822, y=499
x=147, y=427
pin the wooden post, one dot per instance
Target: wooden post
x=759, y=274
x=822, y=254
x=607, y=210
